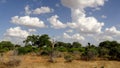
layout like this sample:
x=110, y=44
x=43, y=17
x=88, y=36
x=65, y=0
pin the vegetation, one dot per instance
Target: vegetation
x=13, y=63
x=68, y=58
x=27, y=49
x=110, y=50
x=6, y=46
x=41, y=44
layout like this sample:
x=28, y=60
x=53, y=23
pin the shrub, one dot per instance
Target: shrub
x=89, y=54
x=27, y=49
x=4, y=50
x=68, y=58
x=45, y=51
x=24, y=50
x=35, y=49
x=12, y=63
x=61, y=49
x=102, y=67
x=6, y=44
x=73, y=49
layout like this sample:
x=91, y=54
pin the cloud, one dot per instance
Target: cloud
x=27, y=10
x=69, y=31
x=102, y=37
x=28, y=21
x=16, y=32
x=85, y=24
x=32, y=30
x=112, y=31
x=17, y=35
x=109, y=34
x=75, y=37
x=96, y=9
x=103, y=16
x=80, y=21
x=105, y=37
x=57, y=24
x=14, y=40
x=75, y=4
x=42, y=10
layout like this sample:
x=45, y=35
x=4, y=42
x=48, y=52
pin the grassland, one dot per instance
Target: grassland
x=33, y=61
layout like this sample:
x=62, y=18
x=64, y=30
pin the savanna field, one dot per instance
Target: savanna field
x=44, y=53
x=33, y=61
x=59, y=33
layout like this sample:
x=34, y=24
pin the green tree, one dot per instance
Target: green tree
x=109, y=49
x=61, y=46
x=76, y=45
x=32, y=40
x=39, y=41
x=104, y=49
x=44, y=40
x=6, y=44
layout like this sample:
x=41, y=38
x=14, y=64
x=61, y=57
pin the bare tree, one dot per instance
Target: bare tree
x=52, y=55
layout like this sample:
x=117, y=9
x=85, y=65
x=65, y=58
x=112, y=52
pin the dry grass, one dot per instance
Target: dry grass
x=31, y=61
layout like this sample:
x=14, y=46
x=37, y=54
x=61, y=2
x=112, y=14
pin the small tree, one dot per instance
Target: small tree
x=90, y=52
x=52, y=56
x=68, y=58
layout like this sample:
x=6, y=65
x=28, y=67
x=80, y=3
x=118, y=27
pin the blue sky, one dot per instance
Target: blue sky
x=93, y=22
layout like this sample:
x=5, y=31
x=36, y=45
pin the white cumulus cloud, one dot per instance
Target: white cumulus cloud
x=42, y=10
x=27, y=10
x=28, y=21
x=109, y=34
x=74, y=37
x=103, y=16
x=17, y=35
x=57, y=24
x=80, y=21
x=112, y=31
x=82, y=3
x=69, y=31
x=16, y=32
x=85, y=24
x=32, y=30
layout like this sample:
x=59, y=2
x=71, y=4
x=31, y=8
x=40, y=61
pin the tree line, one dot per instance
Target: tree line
x=42, y=45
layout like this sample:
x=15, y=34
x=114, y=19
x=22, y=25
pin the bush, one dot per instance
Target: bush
x=89, y=54
x=27, y=49
x=4, y=50
x=45, y=51
x=12, y=63
x=24, y=50
x=62, y=49
x=68, y=58
x=102, y=67
x=35, y=49
x=73, y=49
x=6, y=44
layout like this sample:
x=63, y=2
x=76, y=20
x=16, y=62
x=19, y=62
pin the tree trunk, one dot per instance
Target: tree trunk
x=52, y=56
